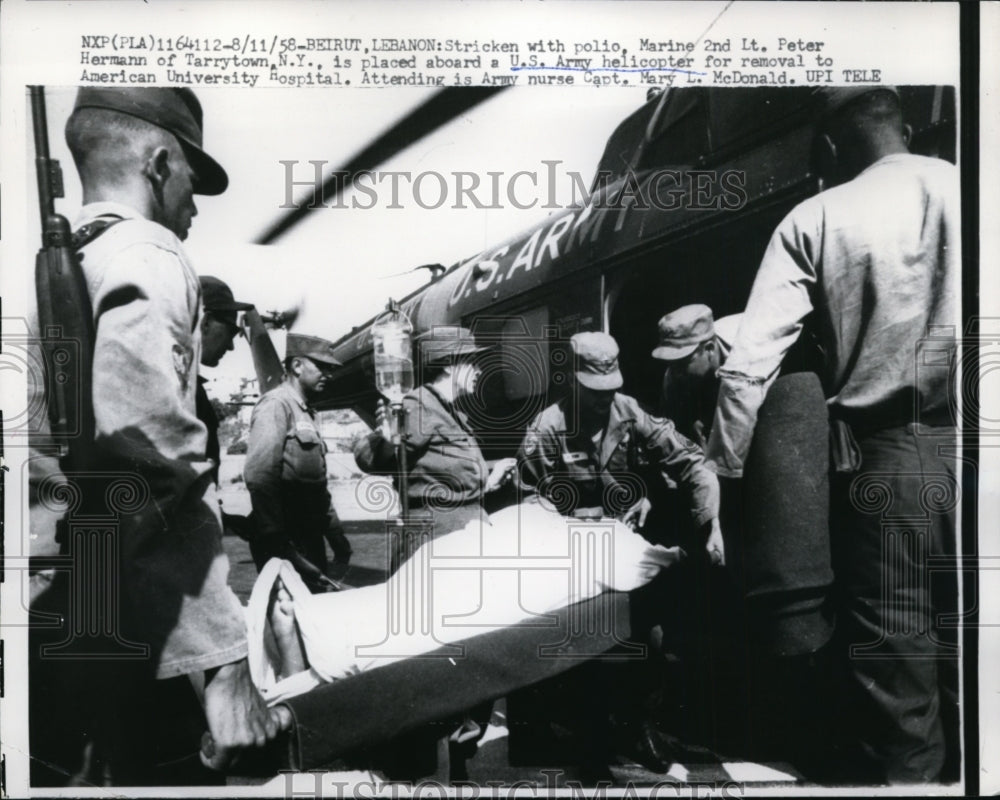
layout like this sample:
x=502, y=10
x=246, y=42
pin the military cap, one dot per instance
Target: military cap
x=832, y=99
x=217, y=297
x=597, y=361
x=298, y=345
x=443, y=344
x=176, y=110
x=682, y=330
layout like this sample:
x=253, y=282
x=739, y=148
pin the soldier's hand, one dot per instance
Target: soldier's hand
x=714, y=546
x=699, y=435
x=635, y=517
x=501, y=474
x=382, y=423
x=237, y=716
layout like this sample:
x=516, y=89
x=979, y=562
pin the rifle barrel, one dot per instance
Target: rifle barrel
x=42, y=158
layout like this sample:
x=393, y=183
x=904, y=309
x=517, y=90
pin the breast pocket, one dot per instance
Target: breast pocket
x=622, y=458
x=305, y=455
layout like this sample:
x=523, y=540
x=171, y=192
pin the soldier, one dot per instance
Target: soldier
x=448, y=478
x=776, y=596
x=598, y=453
x=140, y=159
x=694, y=346
x=606, y=446
x=218, y=331
x=285, y=468
x=875, y=259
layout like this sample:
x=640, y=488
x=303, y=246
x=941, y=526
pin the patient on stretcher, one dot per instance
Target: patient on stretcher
x=526, y=562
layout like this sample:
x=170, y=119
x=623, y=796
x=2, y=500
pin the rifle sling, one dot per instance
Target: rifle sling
x=85, y=234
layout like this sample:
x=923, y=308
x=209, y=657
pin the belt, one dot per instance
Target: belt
x=845, y=454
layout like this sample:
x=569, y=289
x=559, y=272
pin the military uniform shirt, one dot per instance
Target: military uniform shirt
x=582, y=478
x=444, y=462
x=877, y=260
x=145, y=298
x=285, y=447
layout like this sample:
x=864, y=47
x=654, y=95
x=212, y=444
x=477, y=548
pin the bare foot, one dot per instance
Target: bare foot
x=281, y=615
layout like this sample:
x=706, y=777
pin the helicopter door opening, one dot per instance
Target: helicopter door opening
x=715, y=267
x=529, y=364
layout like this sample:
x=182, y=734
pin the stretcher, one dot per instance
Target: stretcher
x=377, y=706
x=470, y=617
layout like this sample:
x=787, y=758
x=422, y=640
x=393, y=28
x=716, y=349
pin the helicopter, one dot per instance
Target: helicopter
x=684, y=199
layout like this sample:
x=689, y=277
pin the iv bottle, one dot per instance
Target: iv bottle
x=393, y=346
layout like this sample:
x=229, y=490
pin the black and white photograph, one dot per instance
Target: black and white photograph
x=497, y=398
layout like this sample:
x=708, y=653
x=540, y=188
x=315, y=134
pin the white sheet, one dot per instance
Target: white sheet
x=526, y=562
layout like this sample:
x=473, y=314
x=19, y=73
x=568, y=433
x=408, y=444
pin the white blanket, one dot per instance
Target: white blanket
x=526, y=562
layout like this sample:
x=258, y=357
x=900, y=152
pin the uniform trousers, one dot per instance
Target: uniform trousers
x=893, y=539
x=309, y=522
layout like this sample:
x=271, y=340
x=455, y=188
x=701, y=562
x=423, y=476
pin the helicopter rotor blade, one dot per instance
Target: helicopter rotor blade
x=288, y=316
x=440, y=109
x=282, y=319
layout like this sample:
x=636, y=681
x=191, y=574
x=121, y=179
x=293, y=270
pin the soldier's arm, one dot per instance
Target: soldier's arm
x=682, y=460
x=144, y=368
x=376, y=455
x=263, y=466
x=779, y=303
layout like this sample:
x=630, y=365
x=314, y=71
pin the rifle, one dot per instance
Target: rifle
x=65, y=320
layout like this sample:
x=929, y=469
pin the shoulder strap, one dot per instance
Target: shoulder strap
x=85, y=234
